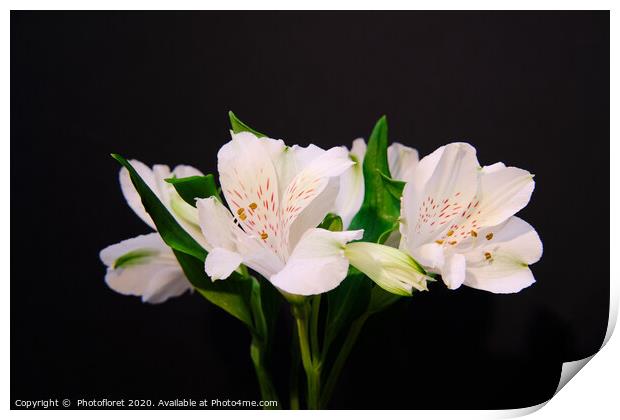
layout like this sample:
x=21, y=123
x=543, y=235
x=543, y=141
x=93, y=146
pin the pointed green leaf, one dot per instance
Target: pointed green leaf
x=238, y=126
x=380, y=209
x=193, y=187
x=170, y=231
x=232, y=294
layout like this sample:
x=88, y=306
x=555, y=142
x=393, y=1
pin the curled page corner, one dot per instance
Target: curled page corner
x=569, y=369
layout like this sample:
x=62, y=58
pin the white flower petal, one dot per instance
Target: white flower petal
x=284, y=161
x=257, y=256
x=163, y=189
x=424, y=170
x=289, y=161
x=503, y=192
x=184, y=171
x=492, y=168
x=185, y=213
x=500, y=278
x=144, y=266
x=317, y=264
x=391, y=269
x=131, y=194
x=216, y=223
x=430, y=256
x=429, y=209
x=166, y=284
x=500, y=264
x=305, y=188
x=220, y=263
x=453, y=273
x=315, y=212
x=358, y=149
x=402, y=161
x=351, y=193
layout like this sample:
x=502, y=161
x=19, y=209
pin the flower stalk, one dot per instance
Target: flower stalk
x=294, y=378
x=309, y=358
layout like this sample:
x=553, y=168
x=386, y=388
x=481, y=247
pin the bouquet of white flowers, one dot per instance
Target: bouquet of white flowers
x=347, y=232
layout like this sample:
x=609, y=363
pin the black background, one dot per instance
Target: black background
x=529, y=89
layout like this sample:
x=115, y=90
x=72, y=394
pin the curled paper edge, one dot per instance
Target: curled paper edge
x=570, y=369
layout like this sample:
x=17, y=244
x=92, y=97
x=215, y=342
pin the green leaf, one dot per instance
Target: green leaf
x=232, y=294
x=393, y=186
x=381, y=208
x=238, y=126
x=260, y=321
x=265, y=303
x=193, y=187
x=170, y=231
x=332, y=222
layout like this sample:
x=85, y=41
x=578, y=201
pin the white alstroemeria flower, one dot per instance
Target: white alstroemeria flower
x=278, y=195
x=145, y=266
x=392, y=269
x=402, y=161
x=457, y=220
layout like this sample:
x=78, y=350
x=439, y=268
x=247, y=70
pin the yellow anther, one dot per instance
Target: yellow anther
x=450, y=233
x=489, y=236
x=243, y=216
x=487, y=256
x=253, y=206
x=474, y=233
x=439, y=241
x=240, y=211
x=264, y=235
x=452, y=242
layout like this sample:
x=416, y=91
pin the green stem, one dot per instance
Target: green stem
x=267, y=390
x=313, y=372
x=347, y=346
x=295, y=360
x=314, y=327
